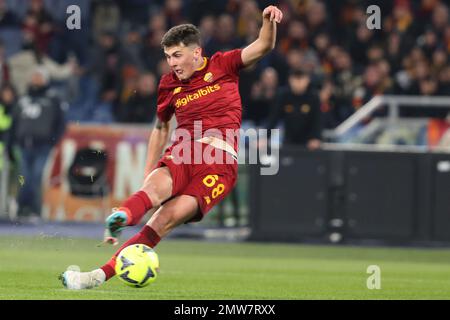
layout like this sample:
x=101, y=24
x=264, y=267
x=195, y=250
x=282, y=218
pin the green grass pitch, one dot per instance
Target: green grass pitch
x=29, y=268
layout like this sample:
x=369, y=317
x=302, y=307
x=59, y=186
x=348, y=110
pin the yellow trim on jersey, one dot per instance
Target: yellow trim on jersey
x=203, y=65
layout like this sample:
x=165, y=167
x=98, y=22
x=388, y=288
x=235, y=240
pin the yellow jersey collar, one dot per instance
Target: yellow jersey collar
x=205, y=61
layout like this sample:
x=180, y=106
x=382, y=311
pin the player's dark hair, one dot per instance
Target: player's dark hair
x=184, y=33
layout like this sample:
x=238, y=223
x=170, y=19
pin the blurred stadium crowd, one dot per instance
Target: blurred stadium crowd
x=108, y=70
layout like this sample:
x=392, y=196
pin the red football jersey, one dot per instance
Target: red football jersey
x=210, y=95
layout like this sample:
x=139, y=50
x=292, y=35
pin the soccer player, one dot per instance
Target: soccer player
x=197, y=89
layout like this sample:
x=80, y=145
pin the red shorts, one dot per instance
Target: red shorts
x=208, y=182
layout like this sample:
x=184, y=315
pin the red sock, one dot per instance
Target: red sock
x=146, y=236
x=137, y=206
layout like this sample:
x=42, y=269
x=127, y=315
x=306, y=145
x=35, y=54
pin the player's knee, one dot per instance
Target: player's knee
x=158, y=187
x=155, y=197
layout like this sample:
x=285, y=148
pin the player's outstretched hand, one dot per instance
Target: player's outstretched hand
x=273, y=14
x=108, y=239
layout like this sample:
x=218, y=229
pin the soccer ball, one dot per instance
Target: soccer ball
x=137, y=265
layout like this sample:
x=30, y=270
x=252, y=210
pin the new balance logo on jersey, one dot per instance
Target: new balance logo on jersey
x=177, y=90
x=181, y=102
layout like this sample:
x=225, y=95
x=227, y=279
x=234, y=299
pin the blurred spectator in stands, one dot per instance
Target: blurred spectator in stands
x=321, y=45
x=333, y=52
x=135, y=12
x=387, y=83
x=440, y=19
x=262, y=97
x=403, y=23
x=107, y=44
x=298, y=107
x=393, y=52
x=278, y=61
x=428, y=42
x=151, y=50
x=173, y=10
x=7, y=100
x=38, y=25
x=297, y=37
x=328, y=106
x=310, y=62
x=417, y=55
x=444, y=80
x=388, y=29
x=249, y=14
x=247, y=78
x=316, y=18
x=38, y=124
x=8, y=19
x=157, y=23
x=140, y=106
x=128, y=84
x=350, y=15
x=162, y=67
x=421, y=71
x=107, y=68
x=4, y=68
x=428, y=86
x=224, y=38
x=28, y=59
x=294, y=58
x=376, y=82
x=105, y=16
x=374, y=53
x=403, y=78
x=346, y=79
x=206, y=26
x=361, y=39
x=447, y=39
x=197, y=9
x=402, y=15
x=422, y=80
x=252, y=32
x=132, y=48
x=250, y=75
x=424, y=12
x=439, y=61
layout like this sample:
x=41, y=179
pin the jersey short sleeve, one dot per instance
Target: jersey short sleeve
x=230, y=61
x=164, y=109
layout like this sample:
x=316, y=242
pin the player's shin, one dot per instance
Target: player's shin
x=138, y=205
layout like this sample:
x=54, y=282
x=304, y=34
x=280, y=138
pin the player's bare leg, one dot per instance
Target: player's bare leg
x=173, y=213
x=170, y=215
x=156, y=188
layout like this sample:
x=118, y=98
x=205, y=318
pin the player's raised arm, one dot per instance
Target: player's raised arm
x=266, y=39
x=158, y=139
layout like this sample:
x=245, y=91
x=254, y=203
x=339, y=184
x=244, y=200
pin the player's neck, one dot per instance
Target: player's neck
x=200, y=64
